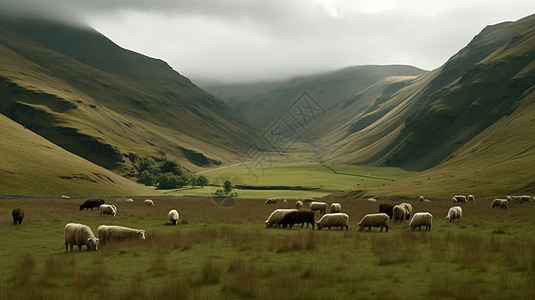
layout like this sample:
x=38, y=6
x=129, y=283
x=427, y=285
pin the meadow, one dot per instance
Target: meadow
x=226, y=253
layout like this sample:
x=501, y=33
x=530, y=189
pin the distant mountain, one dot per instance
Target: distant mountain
x=263, y=102
x=426, y=122
x=109, y=105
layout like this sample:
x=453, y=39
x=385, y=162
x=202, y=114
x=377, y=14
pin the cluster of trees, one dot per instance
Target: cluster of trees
x=167, y=176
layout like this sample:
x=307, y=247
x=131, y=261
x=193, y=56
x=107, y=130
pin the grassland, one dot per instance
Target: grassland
x=226, y=253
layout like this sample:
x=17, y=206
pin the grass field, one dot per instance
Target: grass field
x=247, y=193
x=227, y=253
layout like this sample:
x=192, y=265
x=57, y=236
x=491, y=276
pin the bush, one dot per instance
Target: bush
x=172, y=166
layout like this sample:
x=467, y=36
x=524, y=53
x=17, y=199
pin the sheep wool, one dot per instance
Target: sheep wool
x=108, y=233
x=108, y=210
x=334, y=220
x=321, y=206
x=271, y=201
x=408, y=209
x=399, y=213
x=374, y=220
x=336, y=208
x=421, y=219
x=173, y=216
x=276, y=217
x=471, y=198
x=149, y=202
x=80, y=235
x=500, y=203
x=372, y=200
x=455, y=212
x=298, y=204
x=422, y=198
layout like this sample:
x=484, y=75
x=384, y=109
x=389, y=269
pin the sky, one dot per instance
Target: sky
x=240, y=41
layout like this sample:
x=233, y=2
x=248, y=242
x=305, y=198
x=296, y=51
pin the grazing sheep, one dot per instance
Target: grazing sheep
x=459, y=198
x=386, y=208
x=284, y=201
x=81, y=235
x=91, y=203
x=525, y=198
x=298, y=204
x=321, y=206
x=374, y=220
x=334, y=220
x=455, y=212
x=421, y=219
x=129, y=200
x=408, y=207
x=65, y=197
x=271, y=201
x=336, y=208
x=427, y=200
x=149, y=202
x=471, y=198
x=298, y=217
x=372, y=200
x=276, y=217
x=500, y=203
x=108, y=233
x=108, y=210
x=422, y=198
x=399, y=212
x=173, y=216
x=18, y=216
x=519, y=199
x=308, y=200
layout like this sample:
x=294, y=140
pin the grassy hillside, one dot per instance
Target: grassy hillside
x=428, y=120
x=109, y=105
x=29, y=164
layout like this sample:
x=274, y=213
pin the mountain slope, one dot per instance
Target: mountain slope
x=34, y=166
x=446, y=108
x=110, y=105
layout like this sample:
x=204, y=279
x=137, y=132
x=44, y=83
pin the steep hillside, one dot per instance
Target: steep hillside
x=263, y=102
x=109, y=105
x=31, y=165
x=443, y=110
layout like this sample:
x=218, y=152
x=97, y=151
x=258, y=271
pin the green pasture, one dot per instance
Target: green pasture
x=245, y=193
x=226, y=253
x=308, y=175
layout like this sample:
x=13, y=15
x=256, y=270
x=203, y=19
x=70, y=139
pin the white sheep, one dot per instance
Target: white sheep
x=336, y=208
x=427, y=200
x=399, y=212
x=321, y=206
x=455, y=212
x=525, y=198
x=372, y=200
x=149, y=202
x=129, y=200
x=284, y=201
x=65, y=197
x=471, y=198
x=422, y=198
x=334, y=220
x=374, y=220
x=421, y=219
x=459, y=198
x=276, y=217
x=271, y=201
x=298, y=204
x=173, y=216
x=108, y=233
x=106, y=209
x=408, y=208
x=81, y=235
x=500, y=203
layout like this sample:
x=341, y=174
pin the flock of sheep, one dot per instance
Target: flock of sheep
x=81, y=235
x=403, y=211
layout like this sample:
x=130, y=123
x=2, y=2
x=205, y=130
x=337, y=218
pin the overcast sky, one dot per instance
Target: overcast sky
x=247, y=40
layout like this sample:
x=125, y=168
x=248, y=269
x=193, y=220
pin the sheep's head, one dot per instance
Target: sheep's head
x=93, y=243
x=361, y=227
x=141, y=234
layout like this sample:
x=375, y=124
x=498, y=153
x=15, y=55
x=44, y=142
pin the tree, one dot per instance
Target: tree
x=144, y=164
x=173, y=167
x=167, y=181
x=153, y=169
x=228, y=186
x=202, y=181
x=147, y=178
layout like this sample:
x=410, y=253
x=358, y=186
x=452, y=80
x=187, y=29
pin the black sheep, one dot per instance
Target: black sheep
x=18, y=216
x=298, y=217
x=386, y=208
x=92, y=202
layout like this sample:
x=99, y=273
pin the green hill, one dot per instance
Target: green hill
x=109, y=105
